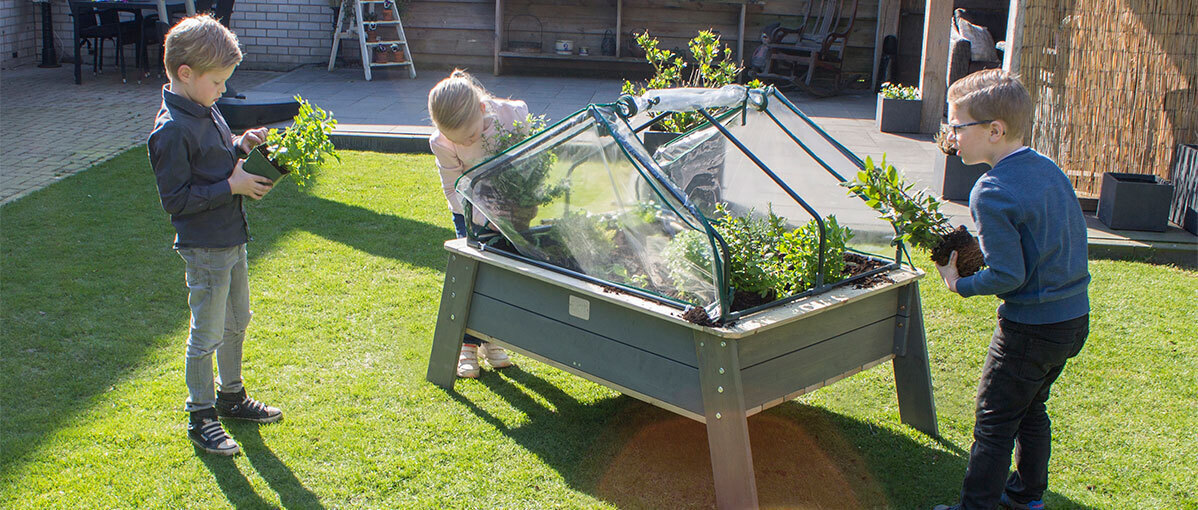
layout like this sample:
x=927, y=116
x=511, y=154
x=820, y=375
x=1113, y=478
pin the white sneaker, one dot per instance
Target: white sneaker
x=468, y=361
x=495, y=355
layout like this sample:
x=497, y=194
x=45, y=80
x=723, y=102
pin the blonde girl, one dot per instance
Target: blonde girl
x=466, y=116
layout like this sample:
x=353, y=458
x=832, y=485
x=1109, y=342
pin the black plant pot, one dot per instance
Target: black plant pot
x=1134, y=202
x=898, y=115
x=954, y=179
x=655, y=139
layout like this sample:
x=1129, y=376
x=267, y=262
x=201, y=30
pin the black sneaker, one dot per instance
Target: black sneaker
x=238, y=406
x=205, y=431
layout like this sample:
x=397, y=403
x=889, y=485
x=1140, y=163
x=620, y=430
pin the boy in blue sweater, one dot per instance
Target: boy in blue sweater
x=1033, y=238
x=200, y=182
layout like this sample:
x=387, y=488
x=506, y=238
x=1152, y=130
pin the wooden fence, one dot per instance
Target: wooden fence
x=1115, y=83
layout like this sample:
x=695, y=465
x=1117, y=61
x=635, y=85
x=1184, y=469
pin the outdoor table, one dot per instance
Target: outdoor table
x=717, y=376
x=162, y=7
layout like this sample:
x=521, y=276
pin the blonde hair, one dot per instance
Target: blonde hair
x=994, y=94
x=202, y=43
x=453, y=102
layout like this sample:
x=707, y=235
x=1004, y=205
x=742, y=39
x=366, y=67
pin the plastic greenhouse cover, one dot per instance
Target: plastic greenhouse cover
x=583, y=196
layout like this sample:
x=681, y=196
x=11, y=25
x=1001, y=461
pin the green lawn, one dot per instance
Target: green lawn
x=345, y=283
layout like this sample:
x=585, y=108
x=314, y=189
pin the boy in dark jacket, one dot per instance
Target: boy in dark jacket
x=200, y=182
x=1033, y=237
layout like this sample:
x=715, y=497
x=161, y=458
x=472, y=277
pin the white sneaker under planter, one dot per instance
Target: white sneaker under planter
x=495, y=355
x=468, y=361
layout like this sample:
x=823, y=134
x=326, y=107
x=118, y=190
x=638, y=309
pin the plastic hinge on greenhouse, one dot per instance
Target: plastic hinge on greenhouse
x=584, y=197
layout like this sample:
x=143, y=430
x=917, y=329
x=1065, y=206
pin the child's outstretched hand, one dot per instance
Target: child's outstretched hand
x=949, y=272
x=245, y=183
x=251, y=138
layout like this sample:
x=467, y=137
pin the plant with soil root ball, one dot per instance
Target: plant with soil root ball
x=301, y=149
x=518, y=191
x=916, y=215
x=943, y=143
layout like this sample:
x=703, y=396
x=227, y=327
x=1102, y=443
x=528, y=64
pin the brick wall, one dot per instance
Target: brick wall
x=18, y=33
x=283, y=35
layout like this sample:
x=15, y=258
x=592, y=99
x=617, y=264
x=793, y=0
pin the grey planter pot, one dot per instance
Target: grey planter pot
x=1134, y=202
x=898, y=115
x=954, y=179
x=655, y=139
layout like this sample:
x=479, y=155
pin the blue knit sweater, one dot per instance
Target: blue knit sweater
x=1033, y=238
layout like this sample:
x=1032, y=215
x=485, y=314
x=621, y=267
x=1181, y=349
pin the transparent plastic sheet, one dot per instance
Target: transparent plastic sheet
x=587, y=216
x=604, y=208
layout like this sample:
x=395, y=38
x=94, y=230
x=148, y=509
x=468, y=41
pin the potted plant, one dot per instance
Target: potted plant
x=1134, y=201
x=712, y=67
x=898, y=109
x=518, y=192
x=917, y=216
x=299, y=150
x=953, y=178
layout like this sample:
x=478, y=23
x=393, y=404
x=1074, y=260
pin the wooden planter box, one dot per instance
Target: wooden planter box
x=898, y=115
x=954, y=179
x=717, y=376
x=1134, y=202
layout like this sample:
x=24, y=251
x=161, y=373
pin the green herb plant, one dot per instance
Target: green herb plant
x=303, y=147
x=523, y=185
x=916, y=214
x=711, y=66
x=894, y=91
x=799, y=250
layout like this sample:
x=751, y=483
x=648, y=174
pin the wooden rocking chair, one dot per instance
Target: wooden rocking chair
x=818, y=43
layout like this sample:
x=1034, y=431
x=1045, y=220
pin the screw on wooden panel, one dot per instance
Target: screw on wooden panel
x=723, y=344
x=718, y=416
x=452, y=317
x=700, y=344
x=453, y=279
x=720, y=389
x=721, y=370
x=453, y=294
x=902, y=307
x=453, y=257
x=900, y=324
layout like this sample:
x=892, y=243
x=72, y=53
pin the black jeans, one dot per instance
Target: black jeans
x=1021, y=365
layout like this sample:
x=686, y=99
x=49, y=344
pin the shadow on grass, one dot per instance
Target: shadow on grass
x=90, y=285
x=233, y=484
x=635, y=455
x=292, y=493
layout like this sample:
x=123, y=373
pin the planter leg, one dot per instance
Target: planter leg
x=727, y=427
x=912, y=376
x=451, y=320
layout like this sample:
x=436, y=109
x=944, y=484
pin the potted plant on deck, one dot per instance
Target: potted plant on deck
x=898, y=109
x=916, y=216
x=713, y=67
x=518, y=193
x=299, y=150
x=953, y=178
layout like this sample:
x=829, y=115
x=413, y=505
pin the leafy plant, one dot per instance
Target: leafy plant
x=303, y=147
x=687, y=255
x=800, y=255
x=915, y=214
x=712, y=66
x=894, y=91
x=752, y=250
x=523, y=185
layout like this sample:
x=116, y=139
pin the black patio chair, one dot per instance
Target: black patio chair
x=92, y=31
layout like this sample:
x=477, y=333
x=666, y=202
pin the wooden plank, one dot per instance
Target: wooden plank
x=1015, y=15
x=817, y=363
x=913, y=376
x=599, y=317
x=934, y=63
x=727, y=427
x=777, y=342
x=451, y=320
x=887, y=25
x=641, y=371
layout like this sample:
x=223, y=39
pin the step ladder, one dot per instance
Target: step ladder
x=389, y=34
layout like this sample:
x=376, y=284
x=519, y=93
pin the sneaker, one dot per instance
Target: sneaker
x=946, y=507
x=238, y=406
x=205, y=431
x=1007, y=502
x=468, y=361
x=495, y=355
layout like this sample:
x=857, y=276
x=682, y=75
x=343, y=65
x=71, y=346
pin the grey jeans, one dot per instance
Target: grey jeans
x=218, y=294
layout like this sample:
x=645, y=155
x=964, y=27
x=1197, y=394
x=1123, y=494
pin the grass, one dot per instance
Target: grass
x=345, y=284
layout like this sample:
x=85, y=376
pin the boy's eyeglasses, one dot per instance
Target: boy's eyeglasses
x=957, y=127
